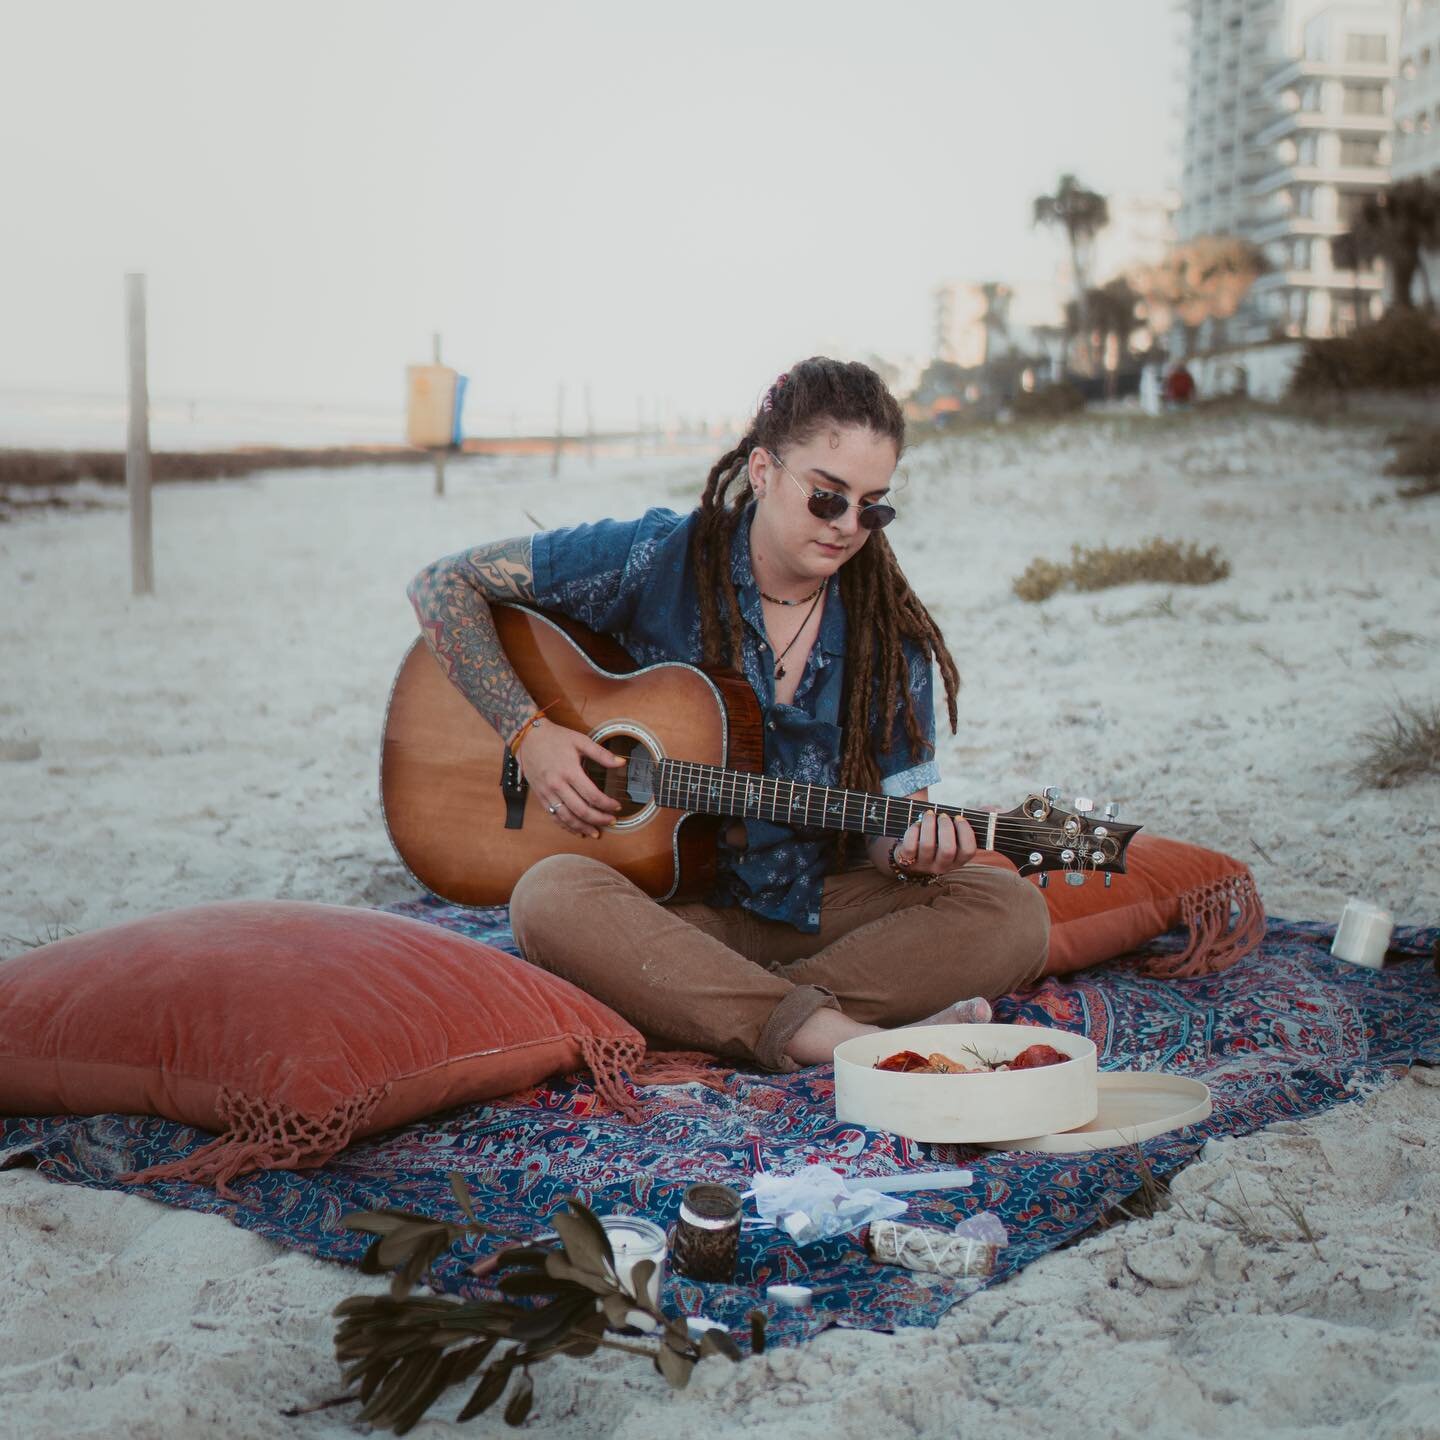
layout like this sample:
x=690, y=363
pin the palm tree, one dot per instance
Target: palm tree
x=1082, y=214
x=1395, y=225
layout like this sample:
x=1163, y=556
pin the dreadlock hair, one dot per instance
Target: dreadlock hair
x=880, y=607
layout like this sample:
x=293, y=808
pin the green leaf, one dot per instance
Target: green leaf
x=639, y=1285
x=521, y=1400
x=585, y=1335
x=675, y=1368
x=587, y=1246
x=718, y=1342
x=490, y=1389
x=527, y=1282
x=617, y=1308
x=560, y=1268
x=552, y=1320
x=426, y=1386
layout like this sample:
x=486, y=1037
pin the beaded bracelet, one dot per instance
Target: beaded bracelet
x=901, y=870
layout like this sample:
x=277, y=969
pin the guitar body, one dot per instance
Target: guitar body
x=441, y=763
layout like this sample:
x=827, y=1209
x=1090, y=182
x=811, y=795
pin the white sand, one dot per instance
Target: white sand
x=220, y=741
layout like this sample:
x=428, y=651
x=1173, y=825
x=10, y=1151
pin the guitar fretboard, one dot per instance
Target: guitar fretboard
x=711, y=790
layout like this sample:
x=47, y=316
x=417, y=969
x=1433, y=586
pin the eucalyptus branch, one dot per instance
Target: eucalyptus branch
x=402, y=1351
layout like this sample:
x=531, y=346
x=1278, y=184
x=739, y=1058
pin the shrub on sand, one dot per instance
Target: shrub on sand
x=1049, y=402
x=1418, y=454
x=1399, y=352
x=1402, y=748
x=1167, y=562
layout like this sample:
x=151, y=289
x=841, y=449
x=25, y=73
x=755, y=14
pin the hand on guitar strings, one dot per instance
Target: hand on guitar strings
x=935, y=844
x=550, y=757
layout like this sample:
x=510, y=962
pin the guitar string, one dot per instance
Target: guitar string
x=691, y=776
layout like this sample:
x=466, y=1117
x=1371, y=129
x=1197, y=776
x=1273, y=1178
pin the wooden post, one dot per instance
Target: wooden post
x=559, y=427
x=439, y=455
x=137, y=453
x=589, y=429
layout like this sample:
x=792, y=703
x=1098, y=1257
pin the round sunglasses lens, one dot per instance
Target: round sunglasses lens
x=876, y=517
x=826, y=505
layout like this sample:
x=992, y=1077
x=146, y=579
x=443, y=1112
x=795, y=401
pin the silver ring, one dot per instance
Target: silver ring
x=553, y=808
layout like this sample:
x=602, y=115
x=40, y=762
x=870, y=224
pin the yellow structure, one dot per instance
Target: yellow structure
x=430, y=406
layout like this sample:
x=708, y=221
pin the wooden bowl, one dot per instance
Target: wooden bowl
x=967, y=1109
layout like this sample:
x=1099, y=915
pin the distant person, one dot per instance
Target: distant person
x=1150, y=388
x=1179, y=386
x=783, y=574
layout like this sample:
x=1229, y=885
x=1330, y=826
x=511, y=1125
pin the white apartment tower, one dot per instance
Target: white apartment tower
x=1417, y=93
x=1287, y=131
x=1417, y=107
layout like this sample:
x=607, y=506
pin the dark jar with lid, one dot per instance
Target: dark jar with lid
x=706, y=1243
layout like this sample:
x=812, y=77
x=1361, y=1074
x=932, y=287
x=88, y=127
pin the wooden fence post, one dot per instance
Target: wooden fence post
x=137, y=451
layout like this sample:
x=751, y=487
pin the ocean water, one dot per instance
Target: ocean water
x=54, y=420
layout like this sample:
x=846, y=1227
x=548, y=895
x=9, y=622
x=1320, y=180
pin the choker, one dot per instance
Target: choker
x=803, y=600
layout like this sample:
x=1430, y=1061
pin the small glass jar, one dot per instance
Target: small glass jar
x=706, y=1241
x=633, y=1239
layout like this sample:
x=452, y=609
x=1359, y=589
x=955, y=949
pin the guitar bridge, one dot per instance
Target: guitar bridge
x=515, y=789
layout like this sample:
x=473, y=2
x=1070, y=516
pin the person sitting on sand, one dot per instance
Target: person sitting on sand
x=783, y=572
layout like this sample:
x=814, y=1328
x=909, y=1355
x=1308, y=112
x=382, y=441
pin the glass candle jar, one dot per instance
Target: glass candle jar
x=707, y=1234
x=633, y=1239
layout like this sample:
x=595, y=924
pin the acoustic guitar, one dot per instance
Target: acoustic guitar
x=463, y=821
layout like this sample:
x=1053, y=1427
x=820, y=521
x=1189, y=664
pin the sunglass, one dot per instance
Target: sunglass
x=831, y=505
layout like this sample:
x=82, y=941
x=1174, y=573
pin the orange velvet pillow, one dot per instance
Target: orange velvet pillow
x=289, y=1028
x=1166, y=883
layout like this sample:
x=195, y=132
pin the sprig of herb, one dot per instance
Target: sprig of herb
x=403, y=1351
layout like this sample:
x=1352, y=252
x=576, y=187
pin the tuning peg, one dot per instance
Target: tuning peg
x=1111, y=810
x=1108, y=878
x=1073, y=878
x=1051, y=793
x=1082, y=805
x=1045, y=880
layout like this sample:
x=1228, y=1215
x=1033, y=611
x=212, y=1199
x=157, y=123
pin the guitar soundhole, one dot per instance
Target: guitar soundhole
x=631, y=786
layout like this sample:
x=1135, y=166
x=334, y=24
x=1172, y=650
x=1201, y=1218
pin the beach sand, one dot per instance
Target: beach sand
x=219, y=741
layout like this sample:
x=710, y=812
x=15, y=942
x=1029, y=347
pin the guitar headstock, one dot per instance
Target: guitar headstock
x=1045, y=833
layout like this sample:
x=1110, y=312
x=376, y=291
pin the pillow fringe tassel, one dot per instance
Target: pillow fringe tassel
x=1217, y=938
x=263, y=1135
x=267, y=1136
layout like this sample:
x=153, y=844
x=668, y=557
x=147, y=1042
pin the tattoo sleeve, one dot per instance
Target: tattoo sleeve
x=452, y=600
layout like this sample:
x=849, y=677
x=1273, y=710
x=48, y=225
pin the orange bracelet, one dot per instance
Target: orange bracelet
x=525, y=728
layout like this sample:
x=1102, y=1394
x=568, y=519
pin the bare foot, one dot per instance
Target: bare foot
x=815, y=1041
x=975, y=1011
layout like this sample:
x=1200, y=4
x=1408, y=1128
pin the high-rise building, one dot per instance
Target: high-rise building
x=1417, y=107
x=1417, y=93
x=1288, y=120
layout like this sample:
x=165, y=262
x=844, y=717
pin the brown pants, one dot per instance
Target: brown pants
x=698, y=977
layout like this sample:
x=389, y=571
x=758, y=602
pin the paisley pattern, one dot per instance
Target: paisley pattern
x=632, y=579
x=1283, y=1034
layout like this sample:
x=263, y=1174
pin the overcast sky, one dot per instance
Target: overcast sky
x=661, y=198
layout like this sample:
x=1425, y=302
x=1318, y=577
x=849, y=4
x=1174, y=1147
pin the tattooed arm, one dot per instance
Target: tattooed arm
x=452, y=598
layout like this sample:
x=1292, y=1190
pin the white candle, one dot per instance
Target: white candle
x=1363, y=935
x=633, y=1239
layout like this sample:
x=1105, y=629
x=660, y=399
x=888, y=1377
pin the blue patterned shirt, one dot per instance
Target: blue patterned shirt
x=632, y=580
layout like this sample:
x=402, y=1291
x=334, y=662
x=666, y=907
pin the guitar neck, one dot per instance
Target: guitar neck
x=711, y=790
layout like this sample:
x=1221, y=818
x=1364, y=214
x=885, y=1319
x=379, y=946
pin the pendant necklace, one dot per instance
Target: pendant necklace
x=814, y=602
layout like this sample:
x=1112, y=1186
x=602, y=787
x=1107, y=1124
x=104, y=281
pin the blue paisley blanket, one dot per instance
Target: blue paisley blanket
x=1285, y=1033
